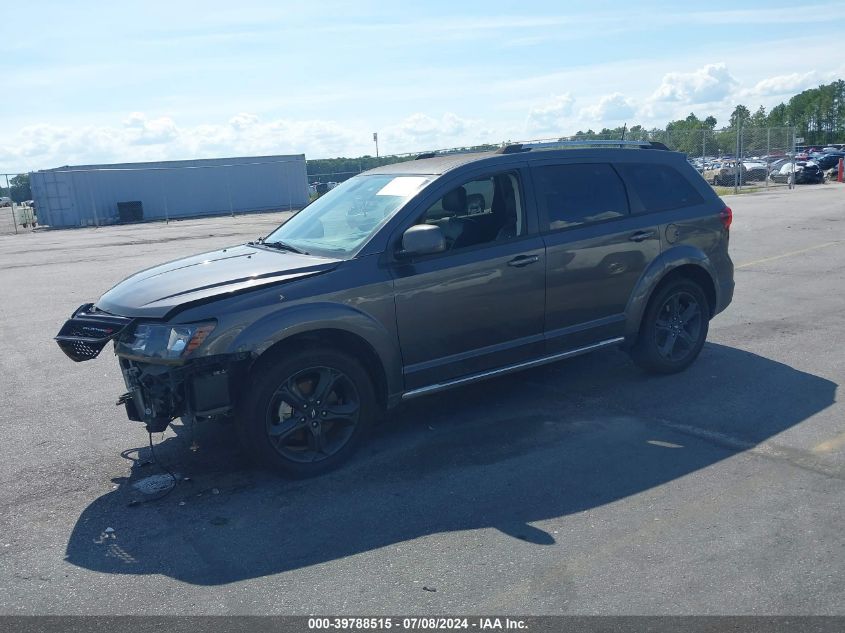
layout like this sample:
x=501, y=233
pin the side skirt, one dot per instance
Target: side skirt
x=466, y=380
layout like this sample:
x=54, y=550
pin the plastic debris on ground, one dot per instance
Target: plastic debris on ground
x=155, y=484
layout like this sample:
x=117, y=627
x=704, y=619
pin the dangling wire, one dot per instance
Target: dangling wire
x=155, y=460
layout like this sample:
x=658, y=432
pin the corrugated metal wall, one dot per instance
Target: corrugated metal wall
x=88, y=195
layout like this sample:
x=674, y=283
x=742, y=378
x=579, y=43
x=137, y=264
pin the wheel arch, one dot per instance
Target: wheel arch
x=335, y=326
x=684, y=262
x=335, y=339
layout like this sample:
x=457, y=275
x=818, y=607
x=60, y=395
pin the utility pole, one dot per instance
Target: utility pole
x=738, y=162
x=768, y=154
x=375, y=140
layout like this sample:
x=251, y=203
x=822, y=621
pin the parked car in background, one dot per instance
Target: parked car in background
x=755, y=170
x=830, y=160
x=775, y=165
x=5, y=202
x=724, y=173
x=803, y=173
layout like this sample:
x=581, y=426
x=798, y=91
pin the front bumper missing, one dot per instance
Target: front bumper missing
x=157, y=394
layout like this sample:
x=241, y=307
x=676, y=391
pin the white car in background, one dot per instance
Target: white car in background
x=755, y=170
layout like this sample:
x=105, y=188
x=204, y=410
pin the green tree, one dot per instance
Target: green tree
x=690, y=135
x=778, y=116
x=20, y=188
x=818, y=114
x=740, y=116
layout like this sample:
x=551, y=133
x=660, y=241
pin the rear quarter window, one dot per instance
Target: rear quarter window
x=654, y=187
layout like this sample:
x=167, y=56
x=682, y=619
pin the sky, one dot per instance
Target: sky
x=97, y=82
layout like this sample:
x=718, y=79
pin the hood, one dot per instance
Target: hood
x=157, y=291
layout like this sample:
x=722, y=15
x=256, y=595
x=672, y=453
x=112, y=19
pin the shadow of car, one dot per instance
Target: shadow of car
x=502, y=454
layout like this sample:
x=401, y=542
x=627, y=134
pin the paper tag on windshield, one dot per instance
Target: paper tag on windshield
x=402, y=186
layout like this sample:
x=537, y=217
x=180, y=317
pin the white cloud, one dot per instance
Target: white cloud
x=423, y=132
x=785, y=84
x=612, y=107
x=142, y=138
x=243, y=120
x=552, y=115
x=144, y=131
x=710, y=83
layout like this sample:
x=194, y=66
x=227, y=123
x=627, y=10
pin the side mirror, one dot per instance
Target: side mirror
x=422, y=239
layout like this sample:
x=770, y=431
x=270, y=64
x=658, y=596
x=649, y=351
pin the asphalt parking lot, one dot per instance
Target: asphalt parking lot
x=584, y=487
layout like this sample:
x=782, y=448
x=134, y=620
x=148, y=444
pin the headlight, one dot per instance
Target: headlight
x=168, y=342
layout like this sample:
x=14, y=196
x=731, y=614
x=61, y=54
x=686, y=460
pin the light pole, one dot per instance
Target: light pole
x=375, y=140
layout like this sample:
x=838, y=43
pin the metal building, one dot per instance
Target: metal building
x=94, y=195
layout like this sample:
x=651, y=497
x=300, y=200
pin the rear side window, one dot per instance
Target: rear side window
x=571, y=195
x=657, y=187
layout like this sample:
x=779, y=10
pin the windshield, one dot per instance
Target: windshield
x=342, y=220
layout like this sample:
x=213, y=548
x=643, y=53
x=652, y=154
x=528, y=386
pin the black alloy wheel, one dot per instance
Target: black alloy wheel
x=673, y=329
x=678, y=326
x=306, y=410
x=313, y=414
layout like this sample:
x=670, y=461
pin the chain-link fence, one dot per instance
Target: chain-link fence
x=729, y=158
x=318, y=184
x=750, y=157
x=17, y=212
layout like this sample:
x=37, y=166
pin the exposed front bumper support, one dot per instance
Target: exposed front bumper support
x=157, y=394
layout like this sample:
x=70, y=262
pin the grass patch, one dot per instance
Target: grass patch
x=729, y=191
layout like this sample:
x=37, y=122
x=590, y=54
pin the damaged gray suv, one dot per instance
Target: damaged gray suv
x=414, y=278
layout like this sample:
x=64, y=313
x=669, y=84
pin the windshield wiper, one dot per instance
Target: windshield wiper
x=282, y=246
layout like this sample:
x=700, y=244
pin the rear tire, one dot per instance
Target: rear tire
x=673, y=329
x=306, y=413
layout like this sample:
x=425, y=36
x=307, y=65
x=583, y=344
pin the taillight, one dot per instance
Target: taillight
x=726, y=216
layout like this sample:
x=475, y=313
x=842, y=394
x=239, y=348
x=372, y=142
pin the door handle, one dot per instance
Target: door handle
x=523, y=260
x=641, y=236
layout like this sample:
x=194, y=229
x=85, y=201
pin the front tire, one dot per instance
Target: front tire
x=306, y=413
x=673, y=329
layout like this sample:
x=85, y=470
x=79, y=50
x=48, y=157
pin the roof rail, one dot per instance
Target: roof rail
x=515, y=148
x=541, y=144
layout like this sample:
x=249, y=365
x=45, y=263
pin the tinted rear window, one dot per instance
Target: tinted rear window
x=657, y=187
x=578, y=194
